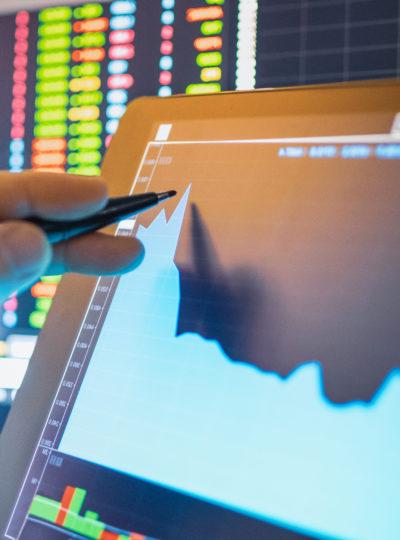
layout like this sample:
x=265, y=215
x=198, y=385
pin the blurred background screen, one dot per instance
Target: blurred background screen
x=68, y=72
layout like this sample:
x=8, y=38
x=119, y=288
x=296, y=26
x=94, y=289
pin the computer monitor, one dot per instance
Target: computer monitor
x=67, y=73
x=244, y=381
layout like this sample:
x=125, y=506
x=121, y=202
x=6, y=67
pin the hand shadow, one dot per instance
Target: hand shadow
x=225, y=305
x=262, y=320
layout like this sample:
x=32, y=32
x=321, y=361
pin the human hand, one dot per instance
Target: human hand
x=25, y=253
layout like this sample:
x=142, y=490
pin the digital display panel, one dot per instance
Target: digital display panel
x=307, y=42
x=256, y=382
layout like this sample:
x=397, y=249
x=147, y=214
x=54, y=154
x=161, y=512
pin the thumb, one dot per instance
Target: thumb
x=24, y=256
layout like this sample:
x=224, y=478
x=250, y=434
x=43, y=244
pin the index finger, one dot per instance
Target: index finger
x=50, y=195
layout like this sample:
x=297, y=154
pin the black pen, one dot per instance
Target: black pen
x=117, y=209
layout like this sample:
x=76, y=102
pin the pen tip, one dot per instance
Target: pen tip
x=166, y=195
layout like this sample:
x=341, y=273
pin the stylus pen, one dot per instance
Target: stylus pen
x=117, y=209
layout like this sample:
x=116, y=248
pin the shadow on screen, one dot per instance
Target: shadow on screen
x=225, y=305
x=276, y=328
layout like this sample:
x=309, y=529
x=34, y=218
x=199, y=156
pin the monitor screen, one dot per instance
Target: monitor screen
x=255, y=384
x=67, y=73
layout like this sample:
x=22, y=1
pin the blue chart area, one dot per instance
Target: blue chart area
x=185, y=416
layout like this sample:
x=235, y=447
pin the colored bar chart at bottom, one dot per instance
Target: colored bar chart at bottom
x=66, y=515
